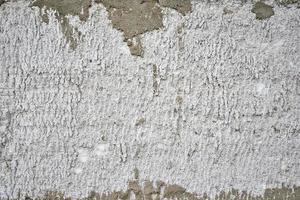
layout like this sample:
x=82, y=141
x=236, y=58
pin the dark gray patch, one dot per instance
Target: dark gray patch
x=2, y=2
x=226, y=11
x=262, y=10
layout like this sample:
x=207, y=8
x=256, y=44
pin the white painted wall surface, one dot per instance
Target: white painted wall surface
x=227, y=113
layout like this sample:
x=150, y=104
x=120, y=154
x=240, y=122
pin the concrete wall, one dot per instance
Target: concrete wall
x=210, y=104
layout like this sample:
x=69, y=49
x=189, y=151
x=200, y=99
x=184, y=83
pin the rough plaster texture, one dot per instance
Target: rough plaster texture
x=214, y=104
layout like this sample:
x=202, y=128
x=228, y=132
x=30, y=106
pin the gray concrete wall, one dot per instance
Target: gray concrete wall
x=206, y=100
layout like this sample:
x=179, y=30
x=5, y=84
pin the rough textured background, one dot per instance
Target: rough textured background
x=214, y=103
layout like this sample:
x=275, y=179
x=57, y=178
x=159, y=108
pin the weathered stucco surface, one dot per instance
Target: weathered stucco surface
x=211, y=110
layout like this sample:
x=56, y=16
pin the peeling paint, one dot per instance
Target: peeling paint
x=64, y=8
x=262, y=10
x=132, y=17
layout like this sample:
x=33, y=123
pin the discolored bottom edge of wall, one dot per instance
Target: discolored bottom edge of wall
x=150, y=190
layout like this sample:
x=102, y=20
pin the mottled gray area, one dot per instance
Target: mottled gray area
x=262, y=10
x=212, y=105
x=2, y=2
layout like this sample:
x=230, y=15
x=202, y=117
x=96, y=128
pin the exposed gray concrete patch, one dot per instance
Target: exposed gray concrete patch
x=63, y=8
x=182, y=6
x=135, y=17
x=262, y=10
